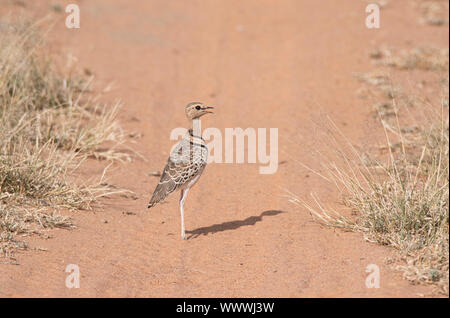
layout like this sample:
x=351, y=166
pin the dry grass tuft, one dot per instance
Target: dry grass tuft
x=422, y=58
x=381, y=81
x=397, y=194
x=48, y=127
x=403, y=202
x=433, y=12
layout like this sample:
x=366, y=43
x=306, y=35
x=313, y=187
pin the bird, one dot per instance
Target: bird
x=186, y=161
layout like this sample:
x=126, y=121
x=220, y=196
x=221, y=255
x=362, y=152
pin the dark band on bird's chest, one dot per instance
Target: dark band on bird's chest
x=196, y=144
x=202, y=144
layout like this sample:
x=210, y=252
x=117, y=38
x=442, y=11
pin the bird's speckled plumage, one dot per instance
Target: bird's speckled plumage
x=187, y=161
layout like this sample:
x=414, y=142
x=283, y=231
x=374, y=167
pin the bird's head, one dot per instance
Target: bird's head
x=196, y=110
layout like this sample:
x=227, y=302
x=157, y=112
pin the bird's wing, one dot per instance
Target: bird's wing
x=180, y=169
x=167, y=184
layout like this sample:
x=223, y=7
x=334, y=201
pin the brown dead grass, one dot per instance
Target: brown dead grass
x=422, y=58
x=402, y=202
x=48, y=127
x=397, y=194
x=433, y=12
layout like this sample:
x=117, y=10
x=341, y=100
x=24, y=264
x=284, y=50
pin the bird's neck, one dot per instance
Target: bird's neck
x=196, y=127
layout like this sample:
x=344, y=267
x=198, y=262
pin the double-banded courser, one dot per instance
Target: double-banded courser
x=186, y=162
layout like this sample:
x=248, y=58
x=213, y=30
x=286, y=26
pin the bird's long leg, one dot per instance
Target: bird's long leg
x=182, y=198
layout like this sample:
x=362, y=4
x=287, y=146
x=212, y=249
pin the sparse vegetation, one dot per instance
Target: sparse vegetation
x=403, y=202
x=48, y=126
x=398, y=194
x=423, y=58
x=433, y=12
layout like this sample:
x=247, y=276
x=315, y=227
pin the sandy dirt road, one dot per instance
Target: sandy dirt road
x=262, y=64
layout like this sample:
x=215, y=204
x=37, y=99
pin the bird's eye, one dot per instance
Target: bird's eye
x=197, y=107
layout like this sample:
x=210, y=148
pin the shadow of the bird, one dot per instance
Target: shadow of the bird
x=231, y=225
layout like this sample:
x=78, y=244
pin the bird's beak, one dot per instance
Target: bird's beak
x=208, y=107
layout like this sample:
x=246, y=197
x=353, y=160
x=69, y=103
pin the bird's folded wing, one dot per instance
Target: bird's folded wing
x=175, y=175
x=184, y=163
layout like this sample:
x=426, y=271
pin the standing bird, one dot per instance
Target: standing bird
x=186, y=162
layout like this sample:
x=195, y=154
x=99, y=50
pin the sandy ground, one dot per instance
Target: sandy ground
x=262, y=64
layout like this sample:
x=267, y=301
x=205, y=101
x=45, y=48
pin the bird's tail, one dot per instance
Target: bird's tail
x=156, y=197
